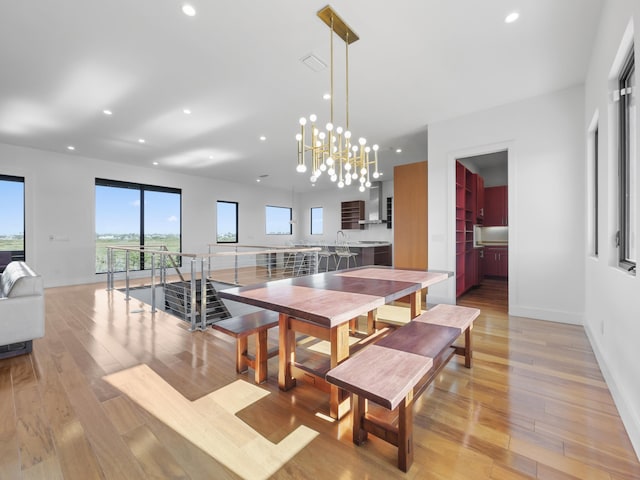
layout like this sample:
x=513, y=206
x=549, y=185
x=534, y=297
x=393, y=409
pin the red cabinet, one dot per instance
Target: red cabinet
x=479, y=198
x=496, y=262
x=496, y=212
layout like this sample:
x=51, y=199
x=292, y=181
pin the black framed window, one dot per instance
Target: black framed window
x=628, y=165
x=316, y=221
x=12, y=231
x=278, y=220
x=137, y=215
x=227, y=222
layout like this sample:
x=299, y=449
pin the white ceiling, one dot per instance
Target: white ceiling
x=236, y=65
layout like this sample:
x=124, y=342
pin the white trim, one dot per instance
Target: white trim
x=558, y=316
x=628, y=414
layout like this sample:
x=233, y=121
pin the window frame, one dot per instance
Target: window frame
x=237, y=234
x=142, y=188
x=624, y=165
x=311, y=223
x=266, y=220
x=19, y=254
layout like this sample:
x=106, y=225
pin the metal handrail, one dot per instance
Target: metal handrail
x=204, y=263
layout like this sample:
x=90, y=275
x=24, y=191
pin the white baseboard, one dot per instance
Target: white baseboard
x=630, y=416
x=549, y=315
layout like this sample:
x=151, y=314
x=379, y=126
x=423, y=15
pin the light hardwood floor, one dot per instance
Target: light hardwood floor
x=534, y=405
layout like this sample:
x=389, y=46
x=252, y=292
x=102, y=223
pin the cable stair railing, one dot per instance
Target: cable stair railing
x=184, y=296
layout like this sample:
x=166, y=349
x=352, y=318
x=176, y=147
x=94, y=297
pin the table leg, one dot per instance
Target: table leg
x=416, y=303
x=372, y=316
x=286, y=353
x=339, y=402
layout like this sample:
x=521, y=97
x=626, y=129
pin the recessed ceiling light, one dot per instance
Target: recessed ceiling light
x=155, y=163
x=188, y=10
x=326, y=96
x=186, y=111
x=398, y=150
x=107, y=112
x=71, y=147
x=141, y=140
x=258, y=180
x=210, y=157
x=512, y=17
x=263, y=138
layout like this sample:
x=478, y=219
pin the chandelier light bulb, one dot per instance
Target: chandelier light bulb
x=303, y=121
x=368, y=184
x=313, y=179
x=347, y=134
x=301, y=168
x=331, y=171
x=367, y=149
x=362, y=179
x=354, y=148
x=363, y=171
x=339, y=130
x=298, y=136
x=323, y=167
x=321, y=135
x=347, y=180
x=330, y=161
x=317, y=172
x=313, y=117
x=375, y=147
x=340, y=184
x=354, y=175
x=361, y=188
x=376, y=174
x=334, y=177
x=329, y=127
x=347, y=166
x=362, y=141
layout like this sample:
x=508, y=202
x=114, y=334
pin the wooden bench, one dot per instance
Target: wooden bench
x=396, y=370
x=240, y=328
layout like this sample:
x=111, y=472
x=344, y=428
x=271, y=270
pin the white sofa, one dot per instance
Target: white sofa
x=21, y=309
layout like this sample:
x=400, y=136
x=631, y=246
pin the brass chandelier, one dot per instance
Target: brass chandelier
x=333, y=149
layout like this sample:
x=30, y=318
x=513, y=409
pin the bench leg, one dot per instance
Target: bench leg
x=358, y=413
x=241, y=354
x=405, y=435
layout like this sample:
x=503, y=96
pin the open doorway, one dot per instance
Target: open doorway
x=482, y=223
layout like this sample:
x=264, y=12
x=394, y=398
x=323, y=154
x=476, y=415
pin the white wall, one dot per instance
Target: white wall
x=612, y=311
x=545, y=142
x=60, y=202
x=329, y=198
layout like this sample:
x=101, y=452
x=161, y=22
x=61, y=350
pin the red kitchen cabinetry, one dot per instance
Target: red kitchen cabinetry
x=467, y=258
x=496, y=211
x=496, y=262
x=479, y=198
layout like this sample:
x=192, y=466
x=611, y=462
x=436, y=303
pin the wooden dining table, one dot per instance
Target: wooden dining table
x=323, y=306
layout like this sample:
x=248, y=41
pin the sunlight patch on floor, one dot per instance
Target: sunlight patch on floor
x=210, y=422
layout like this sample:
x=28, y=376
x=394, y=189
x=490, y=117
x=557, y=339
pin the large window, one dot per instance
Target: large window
x=628, y=165
x=278, y=220
x=227, y=222
x=12, y=218
x=134, y=214
x=316, y=220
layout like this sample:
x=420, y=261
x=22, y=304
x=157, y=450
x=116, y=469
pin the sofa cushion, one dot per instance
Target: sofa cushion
x=19, y=280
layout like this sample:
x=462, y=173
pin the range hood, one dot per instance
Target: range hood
x=375, y=205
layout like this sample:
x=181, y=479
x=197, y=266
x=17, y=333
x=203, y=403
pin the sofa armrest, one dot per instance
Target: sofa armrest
x=21, y=319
